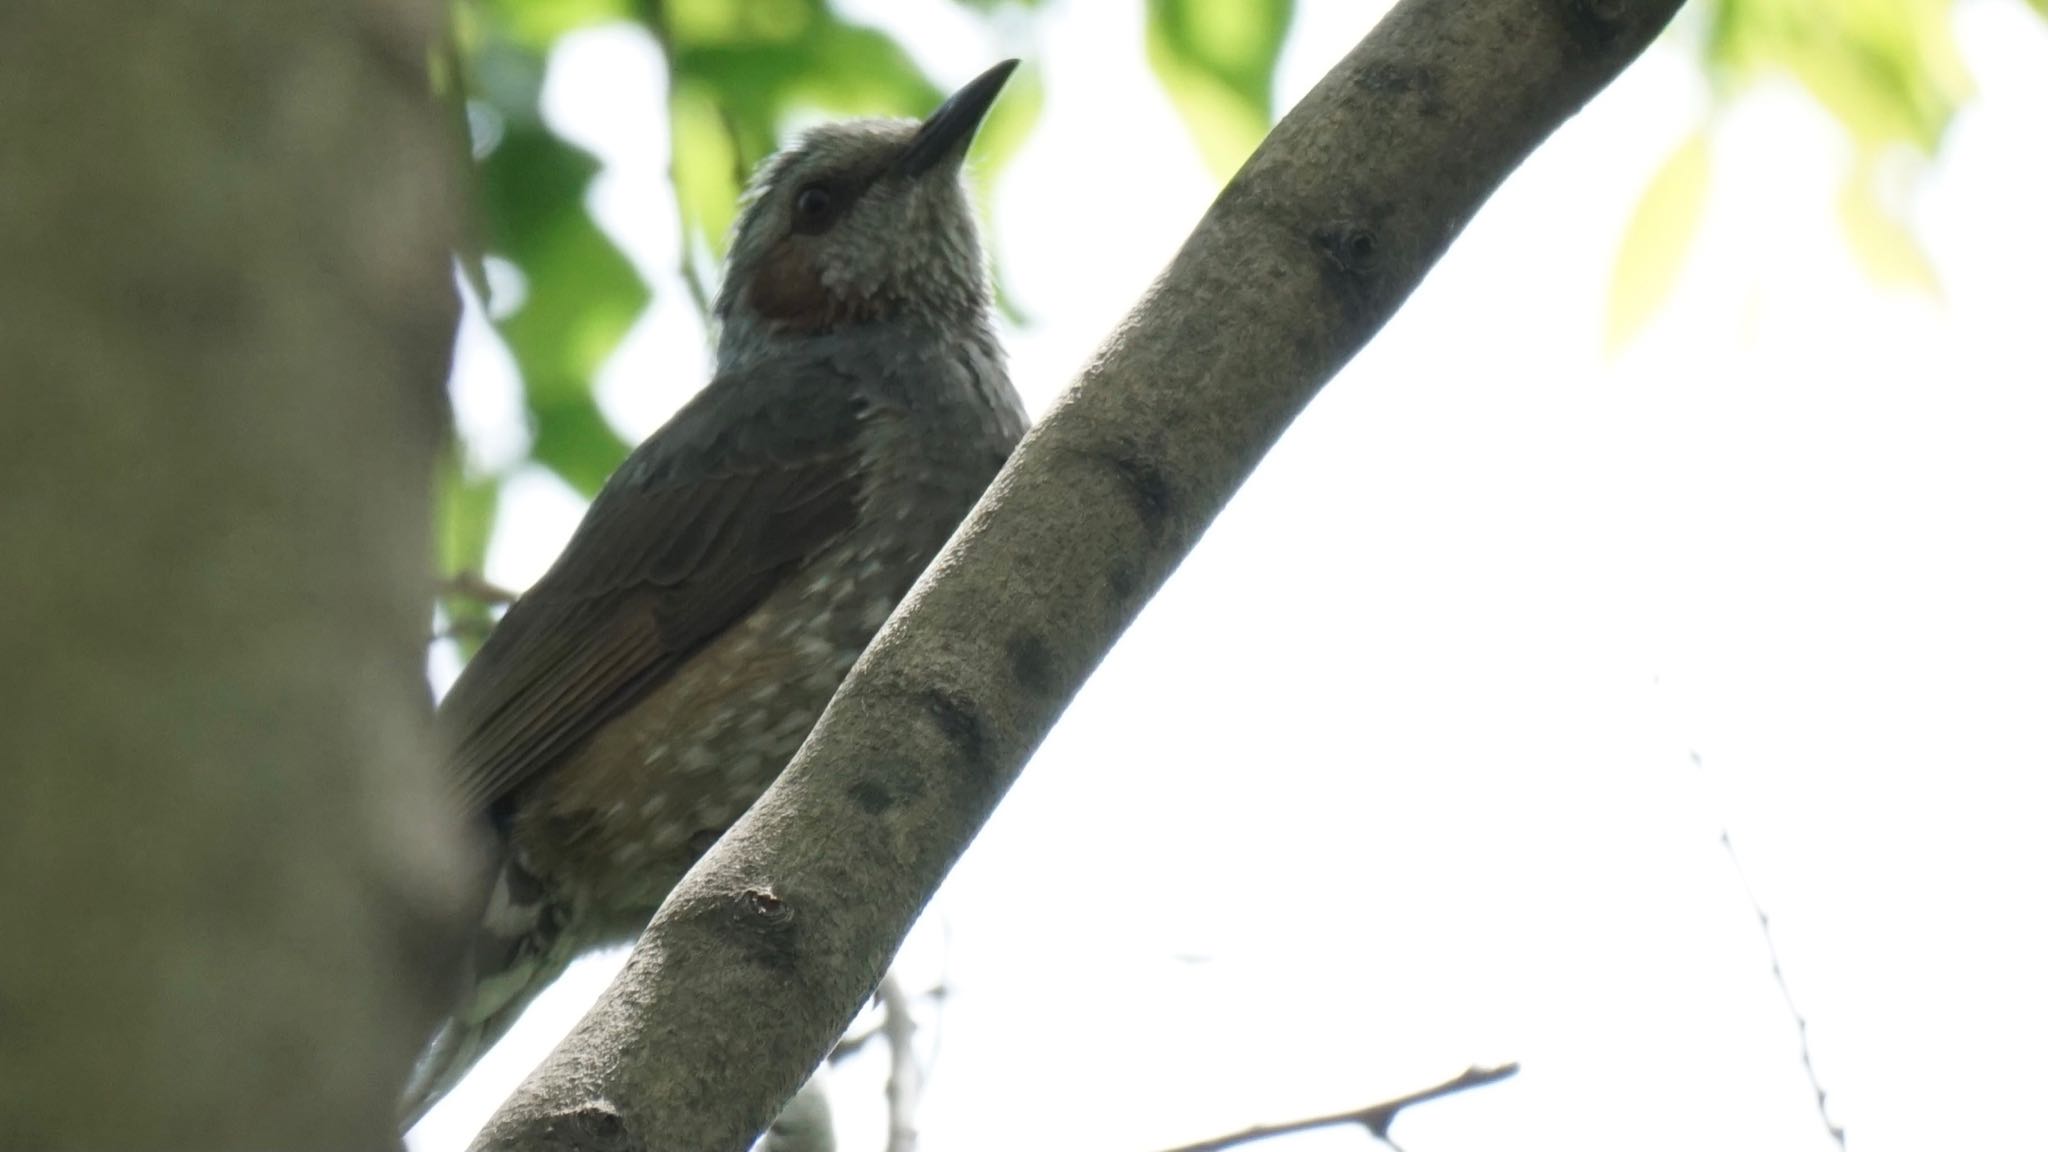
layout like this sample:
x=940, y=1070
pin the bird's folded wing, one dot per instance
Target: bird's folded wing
x=700, y=524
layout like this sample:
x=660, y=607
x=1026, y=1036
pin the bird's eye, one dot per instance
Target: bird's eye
x=813, y=208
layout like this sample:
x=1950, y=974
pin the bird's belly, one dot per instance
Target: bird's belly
x=613, y=828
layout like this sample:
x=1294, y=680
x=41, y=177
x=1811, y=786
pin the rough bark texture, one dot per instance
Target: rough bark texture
x=763, y=954
x=225, y=315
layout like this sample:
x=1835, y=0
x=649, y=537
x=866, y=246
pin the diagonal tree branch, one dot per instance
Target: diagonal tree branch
x=1377, y=1119
x=766, y=950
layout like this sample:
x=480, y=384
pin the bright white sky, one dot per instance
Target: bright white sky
x=1395, y=776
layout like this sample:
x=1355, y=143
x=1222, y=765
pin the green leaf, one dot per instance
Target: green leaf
x=1888, y=70
x=722, y=21
x=828, y=65
x=582, y=295
x=572, y=438
x=537, y=24
x=1653, y=247
x=1216, y=62
x=743, y=67
x=1881, y=242
x=507, y=79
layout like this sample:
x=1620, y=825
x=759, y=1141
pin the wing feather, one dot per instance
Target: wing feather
x=757, y=475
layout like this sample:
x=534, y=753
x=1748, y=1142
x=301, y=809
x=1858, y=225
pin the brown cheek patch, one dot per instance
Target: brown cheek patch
x=787, y=290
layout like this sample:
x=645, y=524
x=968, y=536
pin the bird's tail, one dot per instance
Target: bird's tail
x=522, y=944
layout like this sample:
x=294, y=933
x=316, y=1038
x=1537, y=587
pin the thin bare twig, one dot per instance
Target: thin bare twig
x=905, y=1076
x=701, y=296
x=939, y=992
x=469, y=238
x=693, y=277
x=1375, y=1119
x=470, y=585
x=654, y=14
x=1839, y=1134
x=850, y=1044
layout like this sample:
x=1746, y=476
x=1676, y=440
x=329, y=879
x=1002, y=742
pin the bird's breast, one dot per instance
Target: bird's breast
x=619, y=821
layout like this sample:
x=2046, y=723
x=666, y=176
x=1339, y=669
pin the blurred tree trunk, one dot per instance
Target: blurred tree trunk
x=225, y=317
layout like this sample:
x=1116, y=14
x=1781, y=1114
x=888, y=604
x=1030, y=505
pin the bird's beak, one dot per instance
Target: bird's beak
x=945, y=134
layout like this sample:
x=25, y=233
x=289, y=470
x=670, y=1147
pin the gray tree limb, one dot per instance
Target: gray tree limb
x=225, y=318
x=766, y=950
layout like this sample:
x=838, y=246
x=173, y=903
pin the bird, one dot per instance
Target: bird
x=630, y=706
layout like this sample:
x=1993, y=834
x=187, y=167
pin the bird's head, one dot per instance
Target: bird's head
x=858, y=222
